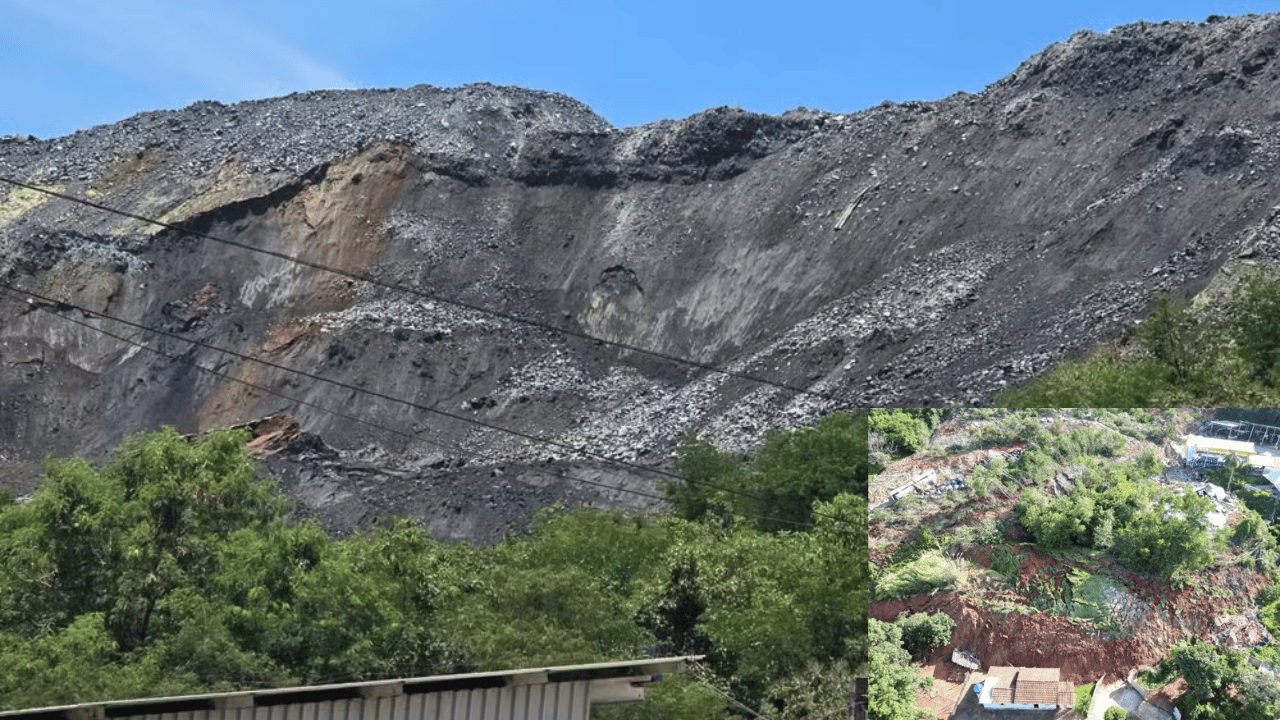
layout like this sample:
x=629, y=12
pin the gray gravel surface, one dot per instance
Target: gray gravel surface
x=909, y=254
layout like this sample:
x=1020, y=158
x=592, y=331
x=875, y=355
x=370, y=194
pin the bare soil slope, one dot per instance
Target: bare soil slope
x=909, y=254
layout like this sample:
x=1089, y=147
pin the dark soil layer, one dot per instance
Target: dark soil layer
x=911, y=254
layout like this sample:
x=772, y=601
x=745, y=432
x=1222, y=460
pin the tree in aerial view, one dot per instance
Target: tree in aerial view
x=921, y=632
x=893, y=682
x=1255, y=316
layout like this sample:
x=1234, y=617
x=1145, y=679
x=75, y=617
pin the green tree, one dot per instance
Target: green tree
x=77, y=663
x=1036, y=465
x=1260, y=693
x=1254, y=536
x=776, y=489
x=1104, y=530
x=1204, y=669
x=173, y=569
x=891, y=691
x=1163, y=544
x=762, y=605
x=1063, y=522
x=677, y=697
x=795, y=469
x=120, y=539
x=705, y=473
x=921, y=632
x=1170, y=335
x=818, y=692
x=908, y=429
x=1255, y=316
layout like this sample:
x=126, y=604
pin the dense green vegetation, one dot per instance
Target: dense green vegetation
x=905, y=431
x=1224, y=685
x=893, y=682
x=930, y=572
x=174, y=569
x=775, y=489
x=1148, y=528
x=922, y=632
x=1083, y=497
x=1180, y=356
x=1111, y=506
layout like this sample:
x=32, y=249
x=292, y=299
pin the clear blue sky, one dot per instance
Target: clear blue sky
x=72, y=64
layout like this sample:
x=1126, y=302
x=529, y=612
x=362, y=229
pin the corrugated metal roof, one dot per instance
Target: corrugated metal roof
x=562, y=692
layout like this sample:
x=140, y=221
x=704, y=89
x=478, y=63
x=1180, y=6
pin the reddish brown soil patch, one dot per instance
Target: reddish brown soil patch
x=1036, y=640
x=1077, y=647
x=949, y=682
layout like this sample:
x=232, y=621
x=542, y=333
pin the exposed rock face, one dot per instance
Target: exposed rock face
x=919, y=253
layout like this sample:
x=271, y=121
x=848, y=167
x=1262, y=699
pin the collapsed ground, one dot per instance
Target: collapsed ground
x=910, y=254
x=1076, y=609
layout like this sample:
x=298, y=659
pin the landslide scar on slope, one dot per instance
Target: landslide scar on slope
x=337, y=221
x=230, y=402
x=342, y=219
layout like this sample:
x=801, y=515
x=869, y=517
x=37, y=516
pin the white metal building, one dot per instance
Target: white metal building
x=1198, y=445
x=556, y=693
x=1261, y=460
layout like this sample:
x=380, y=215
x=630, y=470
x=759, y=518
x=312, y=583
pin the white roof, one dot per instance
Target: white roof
x=1202, y=445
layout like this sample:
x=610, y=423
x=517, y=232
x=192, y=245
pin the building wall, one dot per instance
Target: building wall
x=559, y=701
x=1015, y=706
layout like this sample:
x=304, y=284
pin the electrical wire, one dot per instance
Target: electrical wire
x=316, y=406
x=424, y=294
x=50, y=302
x=702, y=670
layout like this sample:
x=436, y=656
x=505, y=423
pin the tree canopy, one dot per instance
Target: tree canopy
x=175, y=568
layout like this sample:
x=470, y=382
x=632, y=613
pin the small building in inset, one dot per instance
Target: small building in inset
x=1018, y=688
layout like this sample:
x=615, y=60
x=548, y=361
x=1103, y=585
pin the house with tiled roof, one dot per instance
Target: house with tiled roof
x=1017, y=688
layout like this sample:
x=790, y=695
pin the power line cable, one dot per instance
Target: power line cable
x=424, y=294
x=316, y=406
x=400, y=401
x=702, y=672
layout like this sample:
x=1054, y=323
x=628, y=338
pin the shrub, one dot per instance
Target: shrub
x=922, y=632
x=903, y=428
x=1255, y=315
x=929, y=572
x=1084, y=698
x=992, y=531
x=1115, y=713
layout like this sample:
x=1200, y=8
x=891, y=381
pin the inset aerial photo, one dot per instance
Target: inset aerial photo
x=1074, y=563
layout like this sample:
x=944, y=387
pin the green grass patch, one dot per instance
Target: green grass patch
x=930, y=572
x=1084, y=698
x=1088, y=598
x=1004, y=607
x=1269, y=615
x=20, y=201
x=1006, y=562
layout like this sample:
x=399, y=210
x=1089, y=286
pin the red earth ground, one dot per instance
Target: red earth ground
x=1080, y=650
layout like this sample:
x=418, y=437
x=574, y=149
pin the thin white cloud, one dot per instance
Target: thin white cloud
x=179, y=46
